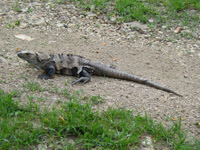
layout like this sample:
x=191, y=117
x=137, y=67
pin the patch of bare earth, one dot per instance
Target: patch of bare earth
x=166, y=63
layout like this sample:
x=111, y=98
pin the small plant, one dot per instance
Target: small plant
x=187, y=51
x=55, y=89
x=29, y=10
x=59, y=1
x=17, y=22
x=96, y=99
x=24, y=127
x=34, y=86
x=16, y=7
x=66, y=93
x=10, y=26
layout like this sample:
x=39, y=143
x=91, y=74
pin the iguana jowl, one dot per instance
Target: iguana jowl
x=74, y=65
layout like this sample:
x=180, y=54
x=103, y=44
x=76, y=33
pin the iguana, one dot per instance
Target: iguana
x=74, y=65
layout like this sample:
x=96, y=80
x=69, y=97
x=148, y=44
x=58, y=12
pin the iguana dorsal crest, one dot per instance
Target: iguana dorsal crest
x=42, y=56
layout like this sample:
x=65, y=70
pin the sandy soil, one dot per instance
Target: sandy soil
x=165, y=63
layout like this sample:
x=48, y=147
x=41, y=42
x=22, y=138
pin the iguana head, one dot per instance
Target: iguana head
x=36, y=59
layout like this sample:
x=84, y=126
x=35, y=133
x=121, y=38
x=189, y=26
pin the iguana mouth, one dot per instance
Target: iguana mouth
x=20, y=54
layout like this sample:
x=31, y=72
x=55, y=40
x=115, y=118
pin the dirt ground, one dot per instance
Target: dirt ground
x=166, y=63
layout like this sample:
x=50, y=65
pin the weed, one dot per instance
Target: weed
x=59, y=1
x=10, y=26
x=187, y=51
x=16, y=7
x=55, y=89
x=25, y=127
x=2, y=81
x=34, y=86
x=29, y=10
x=66, y=93
x=13, y=25
x=17, y=22
x=170, y=12
x=41, y=99
x=16, y=125
x=96, y=99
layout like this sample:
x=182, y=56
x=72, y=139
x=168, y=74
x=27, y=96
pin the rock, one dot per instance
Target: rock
x=23, y=25
x=3, y=60
x=136, y=24
x=147, y=36
x=71, y=25
x=131, y=37
x=151, y=21
x=185, y=76
x=158, y=38
x=36, y=21
x=198, y=54
x=21, y=16
x=2, y=14
x=42, y=147
x=147, y=144
x=92, y=8
x=59, y=25
x=91, y=15
x=147, y=141
x=113, y=19
x=164, y=27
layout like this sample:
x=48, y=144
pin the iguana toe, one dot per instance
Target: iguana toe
x=44, y=76
x=81, y=79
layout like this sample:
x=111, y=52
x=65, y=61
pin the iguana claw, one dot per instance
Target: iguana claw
x=44, y=76
x=81, y=79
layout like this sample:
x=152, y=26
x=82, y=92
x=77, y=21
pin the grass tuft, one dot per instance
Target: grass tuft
x=74, y=125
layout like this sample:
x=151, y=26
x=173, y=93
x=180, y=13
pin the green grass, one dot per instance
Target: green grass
x=23, y=127
x=34, y=86
x=16, y=7
x=129, y=10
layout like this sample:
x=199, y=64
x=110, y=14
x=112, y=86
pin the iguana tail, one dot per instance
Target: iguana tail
x=103, y=70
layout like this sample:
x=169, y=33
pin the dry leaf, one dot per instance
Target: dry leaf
x=53, y=76
x=23, y=37
x=198, y=124
x=46, y=120
x=17, y=49
x=61, y=119
x=178, y=30
x=115, y=59
x=173, y=118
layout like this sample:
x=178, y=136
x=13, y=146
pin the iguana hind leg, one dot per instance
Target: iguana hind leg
x=50, y=71
x=84, y=78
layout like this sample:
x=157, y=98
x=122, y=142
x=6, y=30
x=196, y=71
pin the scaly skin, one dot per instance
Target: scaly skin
x=103, y=70
x=81, y=67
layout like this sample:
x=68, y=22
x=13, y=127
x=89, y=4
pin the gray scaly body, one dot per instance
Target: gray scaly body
x=80, y=67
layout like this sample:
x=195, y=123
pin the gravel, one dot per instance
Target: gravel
x=156, y=55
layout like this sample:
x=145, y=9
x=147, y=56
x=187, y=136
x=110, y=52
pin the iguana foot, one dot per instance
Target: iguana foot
x=44, y=76
x=81, y=79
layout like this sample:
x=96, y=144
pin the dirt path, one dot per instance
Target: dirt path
x=166, y=63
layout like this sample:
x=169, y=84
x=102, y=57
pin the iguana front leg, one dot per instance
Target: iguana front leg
x=84, y=77
x=50, y=71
